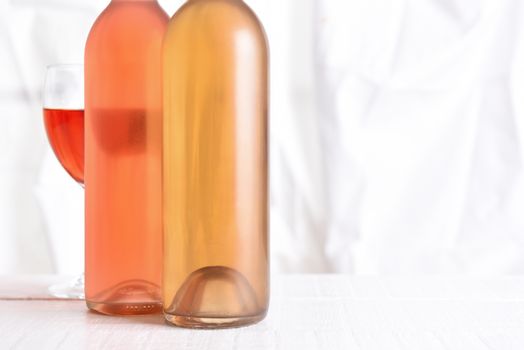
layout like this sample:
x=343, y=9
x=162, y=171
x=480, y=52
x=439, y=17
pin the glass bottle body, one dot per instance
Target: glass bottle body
x=216, y=263
x=123, y=152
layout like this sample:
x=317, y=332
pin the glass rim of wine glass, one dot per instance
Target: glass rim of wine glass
x=68, y=64
x=55, y=94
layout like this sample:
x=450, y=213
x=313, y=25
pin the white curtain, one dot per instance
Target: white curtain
x=421, y=119
x=396, y=135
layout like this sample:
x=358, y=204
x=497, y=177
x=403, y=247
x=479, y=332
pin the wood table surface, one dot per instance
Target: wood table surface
x=306, y=312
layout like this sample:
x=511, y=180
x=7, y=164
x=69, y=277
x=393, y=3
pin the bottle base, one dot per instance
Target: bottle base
x=213, y=322
x=124, y=309
x=130, y=297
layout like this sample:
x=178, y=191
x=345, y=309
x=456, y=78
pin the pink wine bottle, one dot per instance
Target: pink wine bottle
x=123, y=152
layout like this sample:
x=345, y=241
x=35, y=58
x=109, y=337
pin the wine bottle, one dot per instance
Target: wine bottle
x=123, y=158
x=215, y=76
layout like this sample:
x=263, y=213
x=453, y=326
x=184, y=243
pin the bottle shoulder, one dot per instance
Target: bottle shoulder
x=216, y=15
x=128, y=19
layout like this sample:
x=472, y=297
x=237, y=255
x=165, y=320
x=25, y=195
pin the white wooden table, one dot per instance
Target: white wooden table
x=307, y=312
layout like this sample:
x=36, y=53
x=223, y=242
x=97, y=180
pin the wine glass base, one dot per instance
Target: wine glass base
x=69, y=290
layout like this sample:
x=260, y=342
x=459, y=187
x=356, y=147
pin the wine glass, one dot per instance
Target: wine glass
x=63, y=102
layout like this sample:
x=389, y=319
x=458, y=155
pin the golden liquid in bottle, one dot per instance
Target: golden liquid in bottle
x=216, y=267
x=123, y=158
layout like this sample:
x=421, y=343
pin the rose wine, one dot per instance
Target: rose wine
x=216, y=266
x=123, y=144
x=65, y=131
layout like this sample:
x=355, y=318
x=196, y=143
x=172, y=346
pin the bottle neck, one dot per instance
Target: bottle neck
x=133, y=0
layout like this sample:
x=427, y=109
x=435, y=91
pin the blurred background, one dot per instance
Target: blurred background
x=397, y=131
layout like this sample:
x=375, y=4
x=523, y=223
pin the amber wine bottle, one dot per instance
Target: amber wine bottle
x=216, y=263
x=123, y=158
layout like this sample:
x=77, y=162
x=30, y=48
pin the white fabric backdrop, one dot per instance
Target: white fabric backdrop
x=396, y=135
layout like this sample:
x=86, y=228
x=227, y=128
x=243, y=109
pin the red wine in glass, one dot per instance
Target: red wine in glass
x=65, y=131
